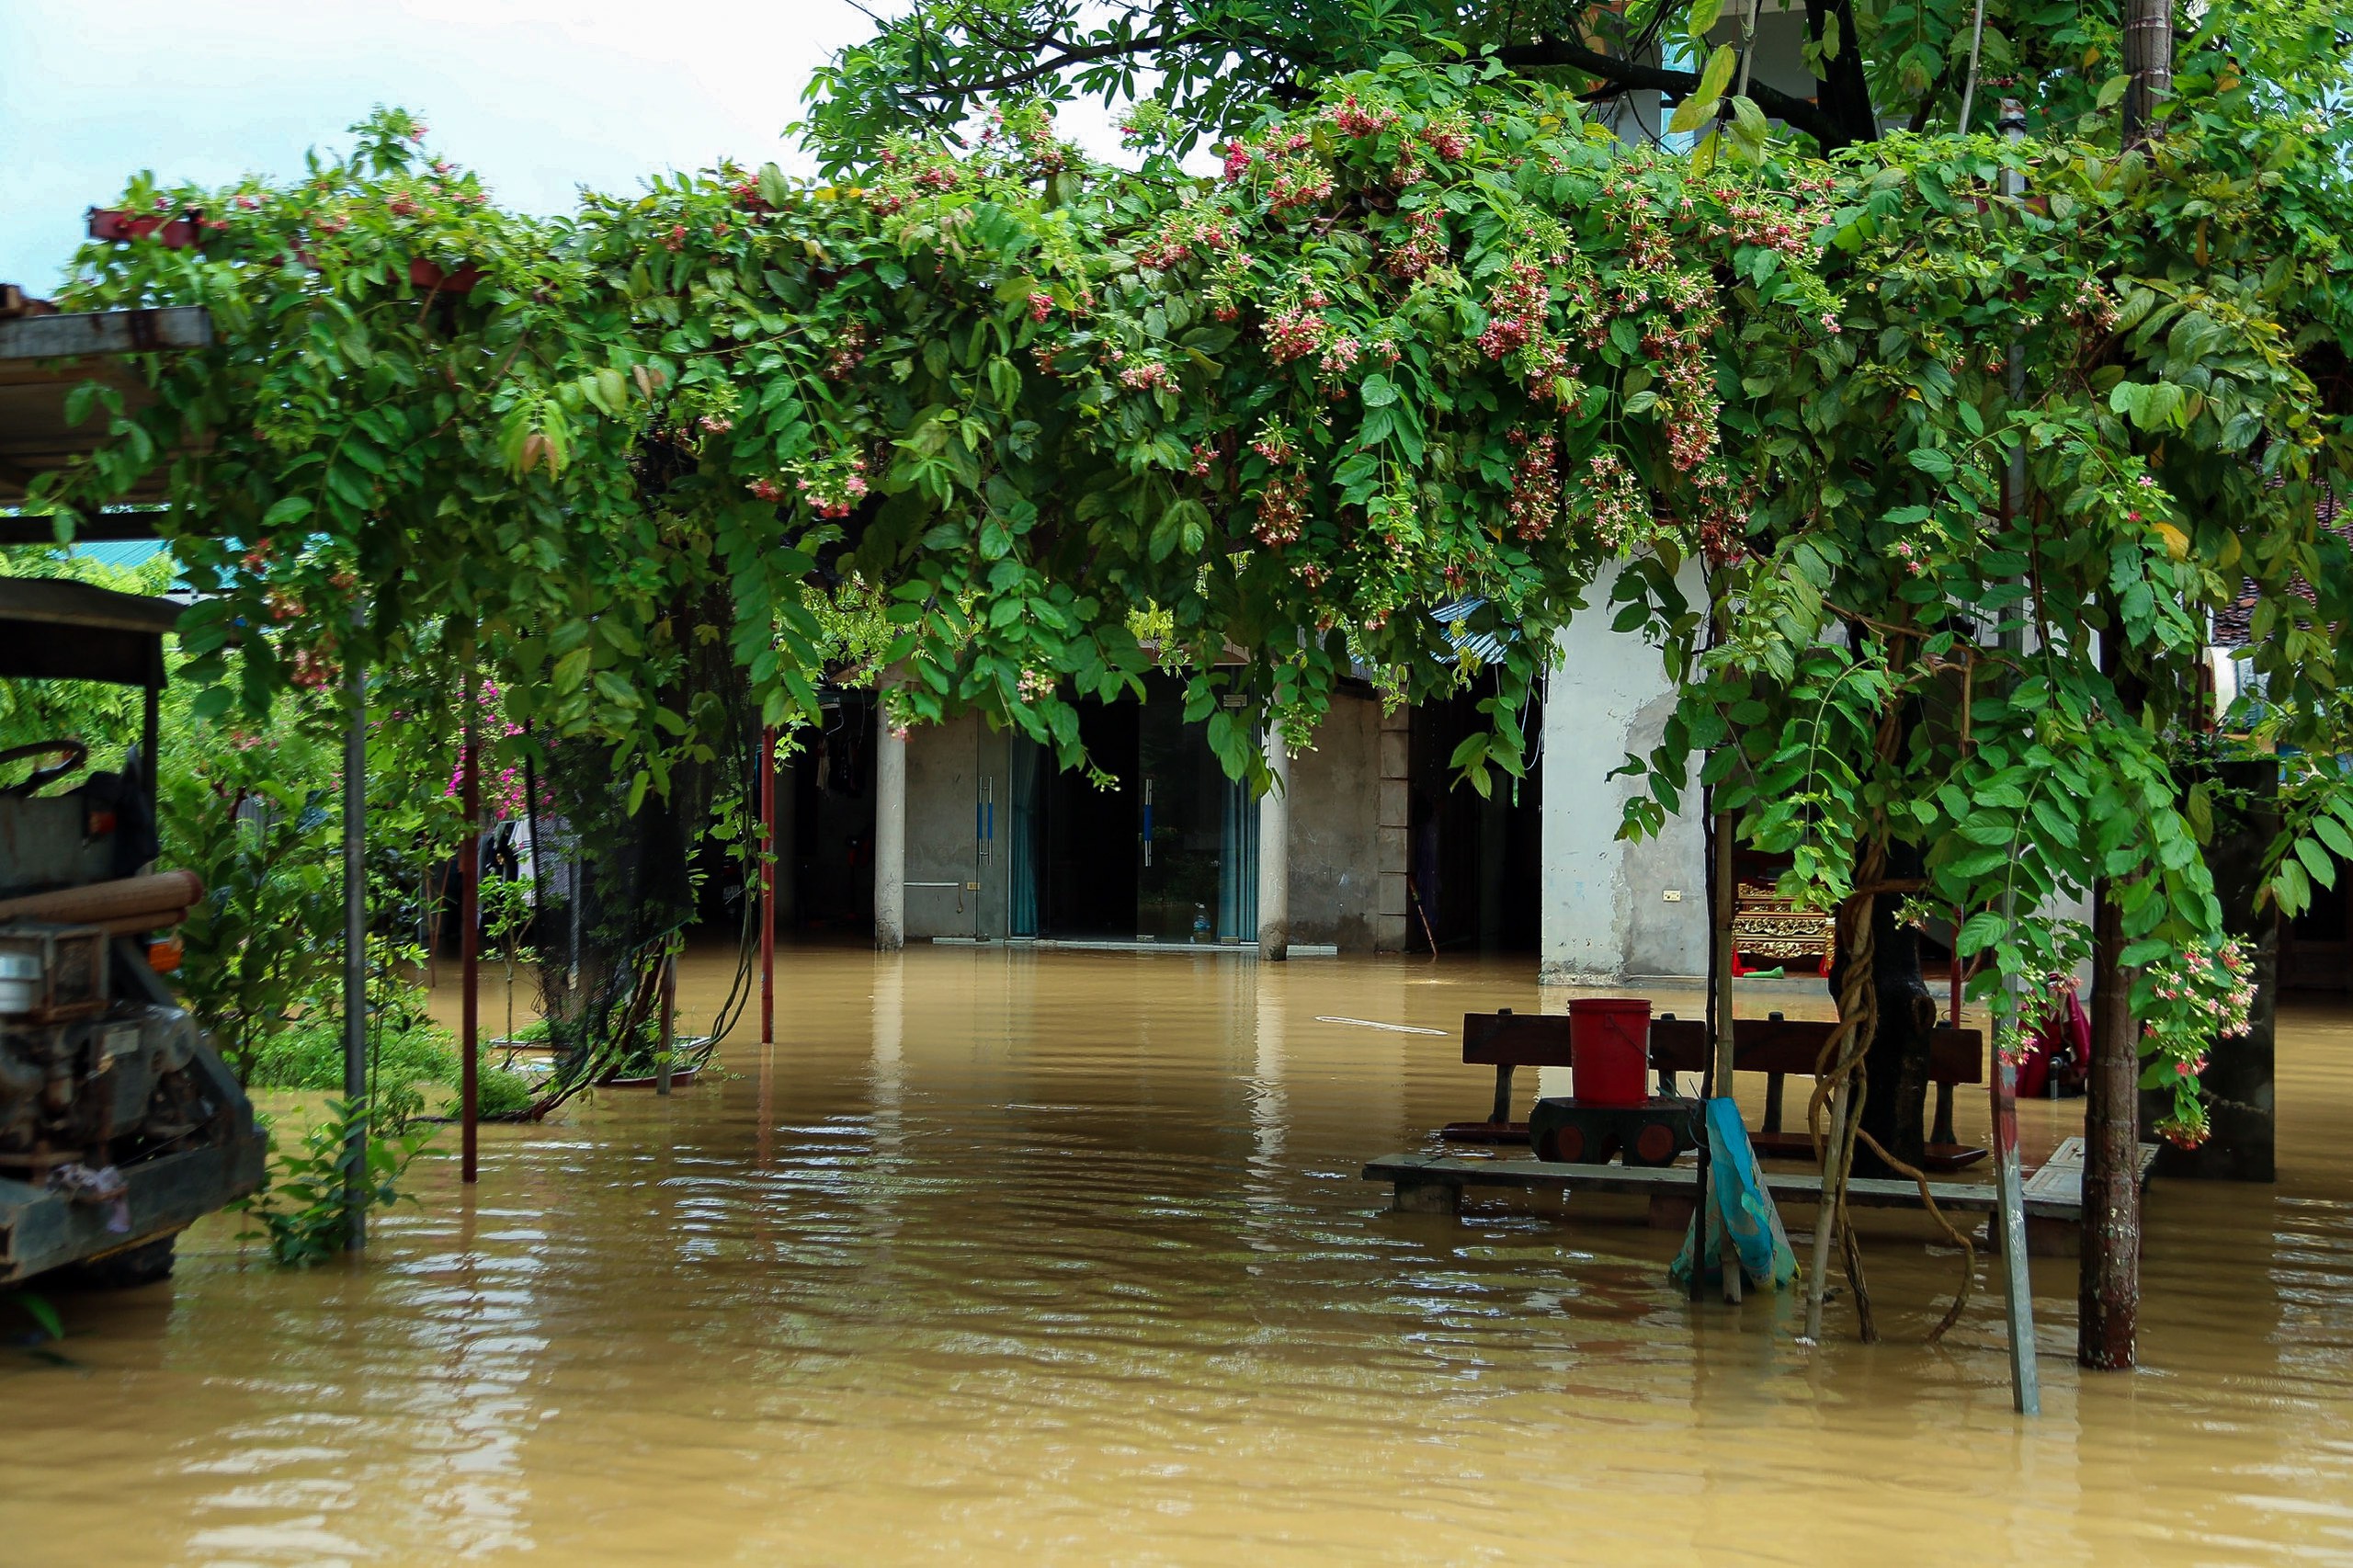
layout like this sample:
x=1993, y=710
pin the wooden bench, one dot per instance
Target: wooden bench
x=1773, y=1045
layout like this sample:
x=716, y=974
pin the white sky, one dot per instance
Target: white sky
x=541, y=97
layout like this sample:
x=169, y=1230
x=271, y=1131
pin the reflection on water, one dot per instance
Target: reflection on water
x=1063, y=1258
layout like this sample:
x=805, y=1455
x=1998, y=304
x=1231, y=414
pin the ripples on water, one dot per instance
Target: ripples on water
x=1062, y=1257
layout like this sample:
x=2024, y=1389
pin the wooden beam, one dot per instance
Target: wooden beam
x=104, y=527
x=2058, y=1201
x=105, y=332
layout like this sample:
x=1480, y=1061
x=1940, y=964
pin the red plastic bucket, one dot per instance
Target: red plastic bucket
x=1609, y=1049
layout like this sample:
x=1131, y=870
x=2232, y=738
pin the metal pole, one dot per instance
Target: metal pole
x=2002, y=1083
x=470, y=944
x=354, y=938
x=768, y=852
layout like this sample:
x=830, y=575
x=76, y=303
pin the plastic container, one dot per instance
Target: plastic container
x=1609, y=1049
x=20, y=975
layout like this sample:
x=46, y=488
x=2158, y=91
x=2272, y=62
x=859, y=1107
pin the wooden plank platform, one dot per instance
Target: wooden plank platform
x=1435, y=1183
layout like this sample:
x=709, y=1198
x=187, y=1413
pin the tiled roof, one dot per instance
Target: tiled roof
x=2231, y=628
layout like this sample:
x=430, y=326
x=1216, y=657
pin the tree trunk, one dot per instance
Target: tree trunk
x=2108, y=1289
x=2148, y=64
x=1843, y=92
x=1896, y=1067
x=2108, y=1283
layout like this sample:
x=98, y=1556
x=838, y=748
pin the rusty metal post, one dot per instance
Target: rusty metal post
x=768, y=852
x=469, y=941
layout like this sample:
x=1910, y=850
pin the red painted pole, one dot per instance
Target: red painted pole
x=468, y=939
x=1956, y=967
x=768, y=883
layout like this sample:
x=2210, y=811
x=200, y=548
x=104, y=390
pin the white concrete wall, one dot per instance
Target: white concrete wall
x=1337, y=839
x=1606, y=913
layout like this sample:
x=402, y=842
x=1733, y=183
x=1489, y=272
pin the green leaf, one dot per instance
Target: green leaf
x=1378, y=390
x=1717, y=74
x=287, y=509
x=1703, y=16
x=572, y=669
x=1750, y=132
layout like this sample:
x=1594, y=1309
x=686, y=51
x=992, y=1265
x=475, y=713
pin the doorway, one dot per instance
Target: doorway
x=1169, y=854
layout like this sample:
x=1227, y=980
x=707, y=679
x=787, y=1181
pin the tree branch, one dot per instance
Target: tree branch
x=1795, y=112
x=1040, y=69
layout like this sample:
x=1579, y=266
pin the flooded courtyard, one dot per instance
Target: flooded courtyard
x=1065, y=1257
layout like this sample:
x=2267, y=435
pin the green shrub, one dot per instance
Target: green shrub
x=309, y=1055
x=503, y=1091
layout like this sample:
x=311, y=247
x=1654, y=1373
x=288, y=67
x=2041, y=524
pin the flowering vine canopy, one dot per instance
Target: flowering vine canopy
x=1434, y=339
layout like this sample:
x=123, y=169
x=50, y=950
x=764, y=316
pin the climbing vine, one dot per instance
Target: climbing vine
x=964, y=419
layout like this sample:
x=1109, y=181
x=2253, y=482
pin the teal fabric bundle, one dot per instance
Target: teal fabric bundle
x=1742, y=1207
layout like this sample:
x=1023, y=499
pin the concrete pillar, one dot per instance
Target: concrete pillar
x=1274, y=855
x=1392, y=907
x=890, y=834
x=1612, y=908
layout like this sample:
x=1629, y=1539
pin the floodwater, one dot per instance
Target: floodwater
x=1063, y=1258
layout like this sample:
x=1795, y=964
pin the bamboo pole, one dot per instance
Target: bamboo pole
x=470, y=943
x=354, y=938
x=668, y=1035
x=1720, y=982
x=768, y=851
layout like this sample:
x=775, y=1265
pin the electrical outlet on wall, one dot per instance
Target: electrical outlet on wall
x=1673, y=895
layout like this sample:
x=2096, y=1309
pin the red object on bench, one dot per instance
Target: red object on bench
x=1609, y=1043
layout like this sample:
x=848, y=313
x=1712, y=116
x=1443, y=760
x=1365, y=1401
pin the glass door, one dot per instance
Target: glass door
x=1180, y=828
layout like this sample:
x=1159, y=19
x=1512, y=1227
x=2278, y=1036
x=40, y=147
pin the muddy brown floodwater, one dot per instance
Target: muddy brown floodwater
x=1063, y=1258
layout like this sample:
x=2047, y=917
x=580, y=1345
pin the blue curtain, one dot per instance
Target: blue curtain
x=1027, y=786
x=1237, y=865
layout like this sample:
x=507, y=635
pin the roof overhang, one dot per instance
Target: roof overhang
x=44, y=358
x=55, y=629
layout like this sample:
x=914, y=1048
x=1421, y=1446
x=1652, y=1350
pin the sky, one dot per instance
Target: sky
x=541, y=98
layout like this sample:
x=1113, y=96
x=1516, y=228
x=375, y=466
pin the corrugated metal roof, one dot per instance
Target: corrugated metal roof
x=1486, y=647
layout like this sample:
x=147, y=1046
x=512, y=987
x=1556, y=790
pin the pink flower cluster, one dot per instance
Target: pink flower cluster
x=1616, y=507
x=1152, y=375
x=1535, y=485
x=1297, y=177
x=1282, y=509
x=1295, y=331
x=1450, y=139
x=1272, y=442
x=1350, y=119
x=1517, y=310
x=1424, y=246
x=836, y=488
x=1183, y=236
x=850, y=350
